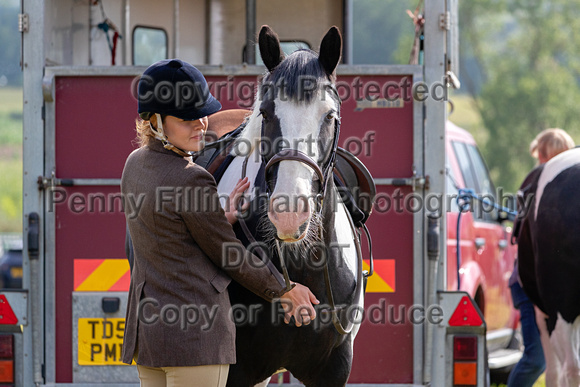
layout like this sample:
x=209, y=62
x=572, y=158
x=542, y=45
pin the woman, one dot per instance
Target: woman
x=546, y=145
x=178, y=328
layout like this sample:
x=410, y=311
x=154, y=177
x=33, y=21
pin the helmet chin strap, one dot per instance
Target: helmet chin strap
x=160, y=135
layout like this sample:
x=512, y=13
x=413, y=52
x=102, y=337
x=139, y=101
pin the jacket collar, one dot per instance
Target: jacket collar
x=157, y=146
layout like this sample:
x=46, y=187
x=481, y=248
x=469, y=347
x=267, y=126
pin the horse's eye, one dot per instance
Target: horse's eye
x=264, y=115
x=329, y=117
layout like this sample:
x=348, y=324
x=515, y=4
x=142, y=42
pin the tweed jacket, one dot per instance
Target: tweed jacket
x=185, y=255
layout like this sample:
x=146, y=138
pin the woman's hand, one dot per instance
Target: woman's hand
x=298, y=303
x=231, y=209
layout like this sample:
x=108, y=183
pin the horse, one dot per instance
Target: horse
x=288, y=149
x=549, y=263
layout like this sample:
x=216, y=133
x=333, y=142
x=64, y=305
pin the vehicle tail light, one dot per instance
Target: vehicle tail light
x=465, y=348
x=465, y=360
x=6, y=358
x=465, y=374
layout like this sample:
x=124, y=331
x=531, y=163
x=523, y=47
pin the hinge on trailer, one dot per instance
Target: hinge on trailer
x=445, y=21
x=23, y=22
x=419, y=181
x=46, y=182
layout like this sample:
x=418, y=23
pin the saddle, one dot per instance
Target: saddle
x=352, y=179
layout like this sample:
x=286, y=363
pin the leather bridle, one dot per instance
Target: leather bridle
x=325, y=175
x=288, y=154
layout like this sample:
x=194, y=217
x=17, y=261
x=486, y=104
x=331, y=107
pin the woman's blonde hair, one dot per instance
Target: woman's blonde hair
x=549, y=143
x=144, y=131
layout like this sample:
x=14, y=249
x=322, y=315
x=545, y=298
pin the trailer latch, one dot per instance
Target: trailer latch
x=415, y=181
x=46, y=182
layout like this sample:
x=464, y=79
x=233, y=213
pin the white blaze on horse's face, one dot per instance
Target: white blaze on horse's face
x=304, y=127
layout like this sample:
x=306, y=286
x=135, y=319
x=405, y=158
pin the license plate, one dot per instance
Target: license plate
x=100, y=341
x=16, y=272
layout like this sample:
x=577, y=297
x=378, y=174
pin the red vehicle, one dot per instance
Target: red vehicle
x=487, y=256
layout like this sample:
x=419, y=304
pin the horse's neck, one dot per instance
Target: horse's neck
x=234, y=173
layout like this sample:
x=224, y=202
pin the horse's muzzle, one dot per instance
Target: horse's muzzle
x=291, y=221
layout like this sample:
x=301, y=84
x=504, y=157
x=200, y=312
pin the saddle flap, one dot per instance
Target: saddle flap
x=357, y=187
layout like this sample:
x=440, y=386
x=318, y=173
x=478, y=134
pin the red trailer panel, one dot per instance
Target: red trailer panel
x=95, y=117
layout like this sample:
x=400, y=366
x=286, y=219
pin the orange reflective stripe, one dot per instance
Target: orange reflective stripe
x=101, y=275
x=383, y=279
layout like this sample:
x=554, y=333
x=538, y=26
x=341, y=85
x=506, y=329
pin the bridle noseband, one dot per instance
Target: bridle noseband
x=288, y=154
x=325, y=175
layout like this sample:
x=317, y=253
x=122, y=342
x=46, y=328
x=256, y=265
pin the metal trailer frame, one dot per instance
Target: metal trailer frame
x=39, y=276
x=49, y=167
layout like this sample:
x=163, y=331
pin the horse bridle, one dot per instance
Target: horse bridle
x=288, y=154
x=324, y=175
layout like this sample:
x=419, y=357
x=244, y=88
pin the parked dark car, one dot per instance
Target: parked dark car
x=11, y=263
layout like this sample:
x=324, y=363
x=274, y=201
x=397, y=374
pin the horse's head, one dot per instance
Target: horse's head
x=300, y=111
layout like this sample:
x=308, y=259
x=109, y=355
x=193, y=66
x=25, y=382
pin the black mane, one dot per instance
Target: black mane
x=297, y=78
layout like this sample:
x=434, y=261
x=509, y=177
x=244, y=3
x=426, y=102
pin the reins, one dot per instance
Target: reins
x=286, y=278
x=324, y=176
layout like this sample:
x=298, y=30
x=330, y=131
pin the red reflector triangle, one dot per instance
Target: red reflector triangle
x=465, y=314
x=7, y=315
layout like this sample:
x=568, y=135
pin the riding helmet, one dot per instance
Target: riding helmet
x=175, y=88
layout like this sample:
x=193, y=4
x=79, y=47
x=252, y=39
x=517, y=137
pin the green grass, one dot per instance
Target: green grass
x=11, y=195
x=11, y=116
x=11, y=160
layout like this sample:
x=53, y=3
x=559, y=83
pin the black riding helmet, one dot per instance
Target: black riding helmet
x=175, y=88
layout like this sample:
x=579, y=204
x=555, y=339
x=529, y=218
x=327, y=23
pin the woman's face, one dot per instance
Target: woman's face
x=186, y=135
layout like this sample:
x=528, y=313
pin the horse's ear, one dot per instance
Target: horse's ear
x=330, y=50
x=270, y=49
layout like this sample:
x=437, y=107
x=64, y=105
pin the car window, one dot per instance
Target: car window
x=465, y=165
x=476, y=177
x=451, y=188
x=484, y=182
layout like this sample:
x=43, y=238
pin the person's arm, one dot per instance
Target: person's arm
x=215, y=236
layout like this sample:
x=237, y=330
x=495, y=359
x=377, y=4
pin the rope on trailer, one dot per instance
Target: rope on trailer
x=464, y=200
x=107, y=25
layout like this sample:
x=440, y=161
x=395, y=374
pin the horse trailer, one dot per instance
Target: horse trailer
x=80, y=63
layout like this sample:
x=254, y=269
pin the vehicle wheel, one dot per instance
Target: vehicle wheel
x=501, y=375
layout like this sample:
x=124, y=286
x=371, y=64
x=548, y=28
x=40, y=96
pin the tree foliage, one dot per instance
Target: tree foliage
x=382, y=31
x=526, y=54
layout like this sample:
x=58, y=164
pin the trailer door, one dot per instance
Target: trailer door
x=89, y=122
